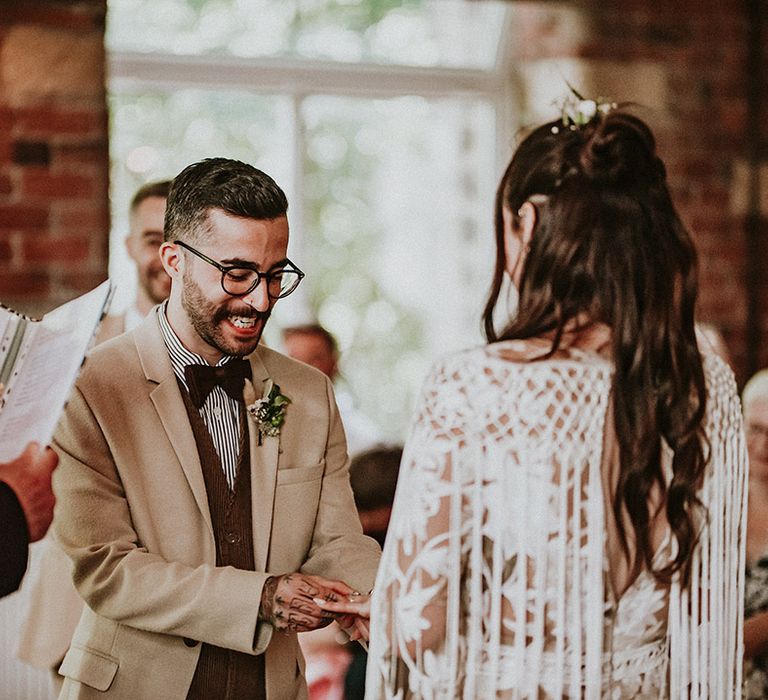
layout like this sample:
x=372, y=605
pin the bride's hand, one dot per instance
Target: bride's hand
x=355, y=604
x=354, y=611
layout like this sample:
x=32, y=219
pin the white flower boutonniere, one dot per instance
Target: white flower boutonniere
x=268, y=412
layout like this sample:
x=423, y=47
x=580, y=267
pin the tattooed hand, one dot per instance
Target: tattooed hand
x=287, y=601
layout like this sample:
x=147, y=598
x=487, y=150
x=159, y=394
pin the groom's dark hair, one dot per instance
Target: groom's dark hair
x=234, y=187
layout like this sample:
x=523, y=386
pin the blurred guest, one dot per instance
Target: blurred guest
x=55, y=606
x=314, y=345
x=26, y=510
x=755, y=405
x=373, y=475
x=374, y=479
x=145, y=235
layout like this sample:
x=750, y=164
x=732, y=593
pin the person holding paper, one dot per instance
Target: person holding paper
x=26, y=510
x=54, y=605
x=203, y=489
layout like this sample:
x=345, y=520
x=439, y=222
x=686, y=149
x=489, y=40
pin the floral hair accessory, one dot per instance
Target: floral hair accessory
x=577, y=111
x=268, y=412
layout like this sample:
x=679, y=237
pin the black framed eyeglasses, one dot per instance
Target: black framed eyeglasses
x=237, y=281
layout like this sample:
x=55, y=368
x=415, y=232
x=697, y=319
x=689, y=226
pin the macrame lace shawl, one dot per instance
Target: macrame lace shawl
x=493, y=578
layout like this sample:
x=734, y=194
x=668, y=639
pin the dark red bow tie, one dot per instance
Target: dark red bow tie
x=230, y=376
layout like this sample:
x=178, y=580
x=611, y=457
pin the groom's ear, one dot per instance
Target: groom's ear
x=172, y=259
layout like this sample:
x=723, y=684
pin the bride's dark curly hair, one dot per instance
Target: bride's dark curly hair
x=609, y=246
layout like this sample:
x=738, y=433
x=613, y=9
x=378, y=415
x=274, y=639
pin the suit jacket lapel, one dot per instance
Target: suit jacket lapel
x=264, y=459
x=170, y=408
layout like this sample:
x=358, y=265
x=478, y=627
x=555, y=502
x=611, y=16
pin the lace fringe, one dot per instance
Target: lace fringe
x=706, y=622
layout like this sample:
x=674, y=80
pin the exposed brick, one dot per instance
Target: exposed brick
x=31, y=153
x=92, y=152
x=66, y=250
x=72, y=283
x=47, y=120
x=20, y=216
x=44, y=183
x=6, y=149
x=6, y=185
x=83, y=18
x=7, y=118
x=91, y=218
x=16, y=284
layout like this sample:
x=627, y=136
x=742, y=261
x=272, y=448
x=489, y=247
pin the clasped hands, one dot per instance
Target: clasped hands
x=301, y=602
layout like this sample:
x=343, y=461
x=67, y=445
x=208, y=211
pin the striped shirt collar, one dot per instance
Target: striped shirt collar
x=180, y=355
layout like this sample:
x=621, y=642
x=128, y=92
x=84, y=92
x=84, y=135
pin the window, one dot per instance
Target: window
x=377, y=117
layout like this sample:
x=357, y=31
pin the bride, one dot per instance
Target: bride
x=570, y=514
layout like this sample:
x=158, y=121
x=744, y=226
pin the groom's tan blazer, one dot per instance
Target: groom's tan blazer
x=132, y=514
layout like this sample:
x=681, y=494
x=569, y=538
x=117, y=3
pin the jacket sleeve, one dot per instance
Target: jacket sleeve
x=14, y=541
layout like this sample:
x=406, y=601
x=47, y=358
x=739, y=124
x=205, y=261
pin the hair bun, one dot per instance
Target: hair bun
x=618, y=150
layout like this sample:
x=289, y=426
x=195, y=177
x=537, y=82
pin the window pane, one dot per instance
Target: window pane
x=454, y=33
x=154, y=135
x=398, y=242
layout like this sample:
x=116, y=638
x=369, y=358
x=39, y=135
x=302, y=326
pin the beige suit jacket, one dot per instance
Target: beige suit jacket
x=132, y=514
x=54, y=605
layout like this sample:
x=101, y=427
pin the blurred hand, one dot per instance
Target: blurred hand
x=29, y=475
x=288, y=601
x=355, y=610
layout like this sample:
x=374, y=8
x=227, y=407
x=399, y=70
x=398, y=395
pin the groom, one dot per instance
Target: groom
x=198, y=527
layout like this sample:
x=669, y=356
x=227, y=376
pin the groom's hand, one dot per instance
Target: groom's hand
x=287, y=601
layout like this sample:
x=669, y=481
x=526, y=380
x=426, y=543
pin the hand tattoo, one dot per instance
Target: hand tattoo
x=287, y=602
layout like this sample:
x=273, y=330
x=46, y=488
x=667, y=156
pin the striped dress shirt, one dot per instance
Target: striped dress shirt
x=220, y=412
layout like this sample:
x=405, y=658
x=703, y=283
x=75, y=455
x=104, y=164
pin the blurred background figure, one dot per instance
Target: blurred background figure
x=54, y=605
x=146, y=215
x=374, y=478
x=335, y=670
x=313, y=344
x=755, y=405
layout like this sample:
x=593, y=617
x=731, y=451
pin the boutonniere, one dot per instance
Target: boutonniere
x=268, y=412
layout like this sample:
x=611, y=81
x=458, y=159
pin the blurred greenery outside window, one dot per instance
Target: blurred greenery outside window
x=377, y=117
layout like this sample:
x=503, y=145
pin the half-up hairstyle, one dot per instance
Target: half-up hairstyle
x=609, y=246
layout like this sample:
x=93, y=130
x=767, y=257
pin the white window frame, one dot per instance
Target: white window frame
x=298, y=78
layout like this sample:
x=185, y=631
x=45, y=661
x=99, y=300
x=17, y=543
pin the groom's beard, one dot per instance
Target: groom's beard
x=208, y=319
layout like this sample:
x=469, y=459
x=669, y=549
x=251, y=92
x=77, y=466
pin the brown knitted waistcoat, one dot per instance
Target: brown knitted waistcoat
x=225, y=674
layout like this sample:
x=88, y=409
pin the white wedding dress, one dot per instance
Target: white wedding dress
x=495, y=582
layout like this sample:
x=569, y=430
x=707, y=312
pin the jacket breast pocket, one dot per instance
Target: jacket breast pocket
x=297, y=498
x=89, y=667
x=299, y=475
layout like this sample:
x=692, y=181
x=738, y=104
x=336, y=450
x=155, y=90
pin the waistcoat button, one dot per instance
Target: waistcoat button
x=232, y=537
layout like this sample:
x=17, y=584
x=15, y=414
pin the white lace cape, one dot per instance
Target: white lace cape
x=492, y=581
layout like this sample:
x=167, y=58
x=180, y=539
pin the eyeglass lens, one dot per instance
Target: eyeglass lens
x=241, y=280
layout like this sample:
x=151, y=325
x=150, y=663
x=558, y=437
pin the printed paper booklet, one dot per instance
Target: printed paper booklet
x=39, y=362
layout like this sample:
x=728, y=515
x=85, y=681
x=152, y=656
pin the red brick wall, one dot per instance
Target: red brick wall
x=688, y=62
x=54, y=216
